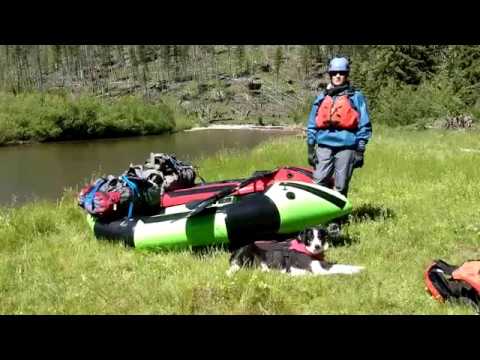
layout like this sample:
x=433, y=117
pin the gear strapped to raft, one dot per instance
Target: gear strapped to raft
x=450, y=282
x=165, y=171
x=137, y=189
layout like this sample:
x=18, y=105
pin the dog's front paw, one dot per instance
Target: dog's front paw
x=232, y=270
x=355, y=269
x=298, y=272
x=345, y=269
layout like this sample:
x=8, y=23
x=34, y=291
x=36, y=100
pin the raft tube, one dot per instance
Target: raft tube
x=201, y=192
x=285, y=207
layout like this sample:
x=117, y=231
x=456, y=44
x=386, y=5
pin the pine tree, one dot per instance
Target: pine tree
x=278, y=60
x=240, y=58
x=38, y=59
x=176, y=59
x=21, y=65
x=57, y=56
x=462, y=66
x=407, y=64
x=133, y=61
x=305, y=60
x=73, y=60
x=143, y=61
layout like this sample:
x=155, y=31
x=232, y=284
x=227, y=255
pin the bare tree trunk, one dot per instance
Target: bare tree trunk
x=39, y=67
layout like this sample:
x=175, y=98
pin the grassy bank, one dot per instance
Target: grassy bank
x=415, y=200
x=39, y=116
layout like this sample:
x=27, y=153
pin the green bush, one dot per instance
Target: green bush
x=131, y=115
x=406, y=104
x=46, y=116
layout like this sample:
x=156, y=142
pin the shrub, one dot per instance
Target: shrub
x=51, y=116
x=406, y=104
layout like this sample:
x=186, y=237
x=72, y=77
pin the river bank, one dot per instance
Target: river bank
x=287, y=128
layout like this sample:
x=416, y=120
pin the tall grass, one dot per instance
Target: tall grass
x=415, y=200
x=49, y=116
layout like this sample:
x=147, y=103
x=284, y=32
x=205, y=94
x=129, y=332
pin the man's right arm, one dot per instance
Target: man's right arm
x=311, y=124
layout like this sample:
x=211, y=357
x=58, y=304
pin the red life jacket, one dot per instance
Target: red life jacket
x=444, y=282
x=470, y=273
x=339, y=114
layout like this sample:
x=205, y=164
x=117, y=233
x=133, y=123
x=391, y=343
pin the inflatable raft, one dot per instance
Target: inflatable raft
x=283, y=207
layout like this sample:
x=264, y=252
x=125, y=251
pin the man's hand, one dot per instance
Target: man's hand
x=312, y=156
x=359, y=153
x=358, y=159
x=361, y=146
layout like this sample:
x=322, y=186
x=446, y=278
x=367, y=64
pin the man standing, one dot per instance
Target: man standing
x=338, y=129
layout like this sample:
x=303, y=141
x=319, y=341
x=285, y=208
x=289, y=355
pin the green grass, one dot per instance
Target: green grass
x=415, y=200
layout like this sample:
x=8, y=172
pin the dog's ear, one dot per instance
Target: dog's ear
x=322, y=233
x=301, y=236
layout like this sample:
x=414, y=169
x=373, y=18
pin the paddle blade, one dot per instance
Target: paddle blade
x=201, y=206
x=227, y=192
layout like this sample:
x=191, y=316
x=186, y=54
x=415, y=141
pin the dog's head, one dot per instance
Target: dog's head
x=314, y=239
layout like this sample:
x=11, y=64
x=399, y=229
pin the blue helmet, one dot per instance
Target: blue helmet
x=339, y=64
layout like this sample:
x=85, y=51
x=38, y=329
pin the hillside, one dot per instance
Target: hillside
x=259, y=89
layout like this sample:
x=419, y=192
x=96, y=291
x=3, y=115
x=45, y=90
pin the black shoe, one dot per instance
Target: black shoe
x=333, y=230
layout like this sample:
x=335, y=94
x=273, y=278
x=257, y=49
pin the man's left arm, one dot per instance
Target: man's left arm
x=364, y=132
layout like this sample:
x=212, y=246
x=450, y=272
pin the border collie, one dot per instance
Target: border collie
x=302, y=255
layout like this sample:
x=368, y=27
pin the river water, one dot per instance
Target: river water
x=43, y=171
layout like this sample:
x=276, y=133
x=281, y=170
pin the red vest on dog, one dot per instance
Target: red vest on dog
x=339, y=114
x=297, y=246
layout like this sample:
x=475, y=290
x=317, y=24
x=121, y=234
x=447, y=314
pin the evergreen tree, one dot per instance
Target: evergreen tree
x=240, y=58
x=23, y=78
x=133, y=63
x=408, y=64
x=462, y=66
x=278, y=60
x=176, y=59
x=120, y=55
x=57, y=56
x=38, y=59
x=143, y=61
x=73, y=60
x=164, y=53
x=305, y=60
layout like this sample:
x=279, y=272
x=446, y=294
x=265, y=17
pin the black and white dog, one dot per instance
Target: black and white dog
x=302, y=255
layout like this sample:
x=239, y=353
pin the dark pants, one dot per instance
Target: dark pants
x=338, y=162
